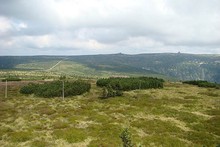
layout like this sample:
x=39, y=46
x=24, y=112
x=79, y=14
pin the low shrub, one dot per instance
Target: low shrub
x=126, y=138
x=11, y=79
x=109, y=92
x=132, y=83
x=54, y=89
x=201, y=83
x=115, y=86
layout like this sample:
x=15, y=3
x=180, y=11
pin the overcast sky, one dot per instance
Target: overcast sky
x=79, y=27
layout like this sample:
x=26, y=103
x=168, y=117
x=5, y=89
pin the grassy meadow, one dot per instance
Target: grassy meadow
x=52, y=69
x=177, y=115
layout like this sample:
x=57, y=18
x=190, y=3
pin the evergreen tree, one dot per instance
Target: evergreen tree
x=126, y=138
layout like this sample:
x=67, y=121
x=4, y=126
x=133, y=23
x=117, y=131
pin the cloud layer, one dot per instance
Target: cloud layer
x=74, y=27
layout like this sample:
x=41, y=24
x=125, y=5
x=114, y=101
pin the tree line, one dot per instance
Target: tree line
x=54, y=89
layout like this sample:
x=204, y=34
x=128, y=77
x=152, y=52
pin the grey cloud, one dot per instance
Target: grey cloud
x=113, y=25
x=27, y=10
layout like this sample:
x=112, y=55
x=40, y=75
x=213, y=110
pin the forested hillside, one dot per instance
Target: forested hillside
x=180, y=66
x=175, y=65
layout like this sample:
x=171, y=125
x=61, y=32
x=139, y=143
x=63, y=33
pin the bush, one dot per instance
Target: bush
x=11, y=79
x=125, y=84
x=109, y=92
x=203, y=84
x=29, y=89
x=54, y=89
x=126, y=138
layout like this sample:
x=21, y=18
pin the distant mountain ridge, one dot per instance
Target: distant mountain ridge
x=177, y=65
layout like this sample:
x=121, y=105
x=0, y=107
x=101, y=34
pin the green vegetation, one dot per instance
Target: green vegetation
x=20, y=136
x=203, y=84
x=157, y=113
x=71, y=135
x=168, y=66
x=177, y=66
x=132, y=83
x=54, y=89
x=11, y=79
x=114, y=86
x=126, y=138
x=175, y=115
x=109, y=92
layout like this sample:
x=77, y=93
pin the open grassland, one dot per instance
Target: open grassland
x=37, y=65
x=73, y=68
x=55, y=68
x=177, y=115
x=28, y=75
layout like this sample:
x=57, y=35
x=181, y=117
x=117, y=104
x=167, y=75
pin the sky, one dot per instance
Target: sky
x=81, y=27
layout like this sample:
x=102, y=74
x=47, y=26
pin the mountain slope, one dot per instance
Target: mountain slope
x=175, y=65
x=181, y=66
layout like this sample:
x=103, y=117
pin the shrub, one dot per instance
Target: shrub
x=126, y=138
x=109, y=92
x=11, y=79
x=29, y=89
x=133, y=83
x=54, y=89
x=203, y=84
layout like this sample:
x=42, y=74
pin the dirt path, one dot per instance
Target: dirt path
x=54, y=65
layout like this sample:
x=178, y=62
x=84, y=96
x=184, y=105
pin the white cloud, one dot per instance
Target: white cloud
x=109, y=26
x=21, y=26
x=5, y=25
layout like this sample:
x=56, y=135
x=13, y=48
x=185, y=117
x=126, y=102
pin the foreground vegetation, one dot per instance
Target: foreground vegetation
x=54, y=89
x=177, y=115
x=131, y=83
x=203, y=84
x=115, y=86
x=11, y=79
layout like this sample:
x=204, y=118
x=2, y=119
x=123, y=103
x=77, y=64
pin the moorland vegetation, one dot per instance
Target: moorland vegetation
x=176, y=115
x=55, y=88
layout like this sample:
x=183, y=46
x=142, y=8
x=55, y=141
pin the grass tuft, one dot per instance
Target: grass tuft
x=21, y=136
x=71, y=135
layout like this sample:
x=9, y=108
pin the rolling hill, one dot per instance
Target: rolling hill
x=175, y=65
